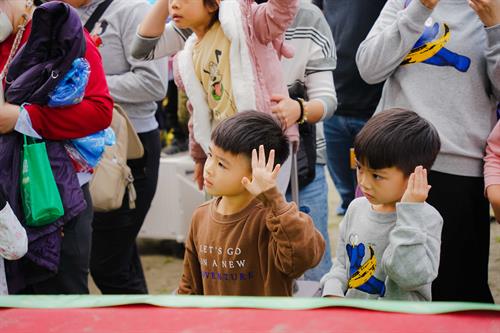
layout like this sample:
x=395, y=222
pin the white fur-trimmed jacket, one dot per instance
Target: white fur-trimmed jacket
x=256, y=33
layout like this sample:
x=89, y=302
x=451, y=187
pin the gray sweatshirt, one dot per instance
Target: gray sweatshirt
x=455, y=89
x=135, y=85
x=389, y=255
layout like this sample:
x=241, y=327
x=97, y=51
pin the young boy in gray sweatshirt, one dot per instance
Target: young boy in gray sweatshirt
x=441, y=59
x=389, y=240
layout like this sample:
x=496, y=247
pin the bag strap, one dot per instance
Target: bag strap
x=135, y=149
x=96, y=15
x=28, y=140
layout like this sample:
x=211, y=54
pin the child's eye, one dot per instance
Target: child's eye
x=375, y=176
x=209, y=154
x=221, y=165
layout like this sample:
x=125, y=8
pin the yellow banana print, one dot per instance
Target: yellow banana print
x=428, y=50
x=365, y=272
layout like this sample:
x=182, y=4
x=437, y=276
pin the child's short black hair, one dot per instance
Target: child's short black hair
x=247, y=130
x=397, y=138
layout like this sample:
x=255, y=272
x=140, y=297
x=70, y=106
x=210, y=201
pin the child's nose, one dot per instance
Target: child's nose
x=174, y=3
x=208, y=167
x=362, y=181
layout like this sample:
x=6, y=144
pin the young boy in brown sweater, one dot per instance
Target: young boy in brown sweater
x=248, y=240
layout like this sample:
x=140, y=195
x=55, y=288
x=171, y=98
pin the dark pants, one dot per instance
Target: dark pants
x=115, y=264
x=72, y=276
x=465, y=240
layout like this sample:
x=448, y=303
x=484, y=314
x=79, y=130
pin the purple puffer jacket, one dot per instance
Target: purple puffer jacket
x=56, y=40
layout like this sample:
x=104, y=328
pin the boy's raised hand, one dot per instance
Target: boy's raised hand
x=418, y=188
x=263, y=174
x=487, y=10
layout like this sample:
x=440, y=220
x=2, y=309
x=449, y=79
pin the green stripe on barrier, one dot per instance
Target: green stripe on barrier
x=277, y=303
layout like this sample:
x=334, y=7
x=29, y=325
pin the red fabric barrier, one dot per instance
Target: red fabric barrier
x=144, y=318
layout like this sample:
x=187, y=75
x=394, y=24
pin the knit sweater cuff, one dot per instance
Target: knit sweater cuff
x=492, y=35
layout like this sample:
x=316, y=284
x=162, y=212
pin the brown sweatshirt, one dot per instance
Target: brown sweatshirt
x=256, y=252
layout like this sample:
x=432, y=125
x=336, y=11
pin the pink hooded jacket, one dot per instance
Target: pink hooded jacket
x=256, y=33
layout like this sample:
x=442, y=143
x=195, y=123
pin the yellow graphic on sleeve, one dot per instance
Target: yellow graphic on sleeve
x=428, y=50
x=365, y=272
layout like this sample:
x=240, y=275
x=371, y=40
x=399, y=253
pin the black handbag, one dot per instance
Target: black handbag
x=306, y=154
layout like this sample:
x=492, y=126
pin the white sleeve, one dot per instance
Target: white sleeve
x=320, y=86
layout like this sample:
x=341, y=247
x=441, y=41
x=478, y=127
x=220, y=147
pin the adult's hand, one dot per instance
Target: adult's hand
x=287, y=110
x=487, y=10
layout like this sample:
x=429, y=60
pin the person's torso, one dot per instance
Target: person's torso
x=235, y=255
x=367, y=238
x=449, y=87
x=350, y=22
x=212, y=68
x=307, y=38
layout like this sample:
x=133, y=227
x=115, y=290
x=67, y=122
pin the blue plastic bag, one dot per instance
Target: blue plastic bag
x=71, y=89
x=92, y=147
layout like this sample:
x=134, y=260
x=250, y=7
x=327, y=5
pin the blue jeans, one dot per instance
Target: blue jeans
x=314, y=201
x=340, y=132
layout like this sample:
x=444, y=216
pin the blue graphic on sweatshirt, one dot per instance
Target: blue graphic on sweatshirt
x=429, y=49
x=362, y=275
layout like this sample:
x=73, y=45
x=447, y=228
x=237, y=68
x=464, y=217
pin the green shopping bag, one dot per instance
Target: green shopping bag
x=41, y=200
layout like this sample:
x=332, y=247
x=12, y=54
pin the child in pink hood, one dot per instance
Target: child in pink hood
x=231, y=62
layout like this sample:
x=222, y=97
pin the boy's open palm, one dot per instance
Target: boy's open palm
x=418, y=188
x=263, y=174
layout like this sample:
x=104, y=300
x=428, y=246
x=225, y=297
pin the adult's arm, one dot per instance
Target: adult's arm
x=391, y=38
x=492, y=170
x=492, y=54
x=145, y=81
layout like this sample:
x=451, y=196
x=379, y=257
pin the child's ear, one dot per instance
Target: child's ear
x=212, y=8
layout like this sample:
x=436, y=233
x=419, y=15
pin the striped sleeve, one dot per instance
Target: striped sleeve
x=311, y=25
